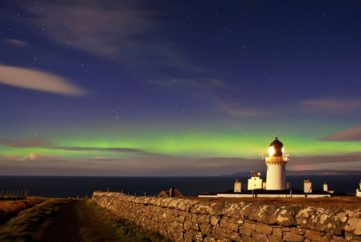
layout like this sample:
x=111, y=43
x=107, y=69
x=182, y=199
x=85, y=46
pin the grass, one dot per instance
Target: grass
x=350, y=203
x=63, y=220
x=101, y=225
x=9, y=208
x=29, y=223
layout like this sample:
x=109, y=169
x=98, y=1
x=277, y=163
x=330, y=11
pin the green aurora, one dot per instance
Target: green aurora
x=193, y=144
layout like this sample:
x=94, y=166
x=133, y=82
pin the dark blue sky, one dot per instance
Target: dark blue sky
x=154, y=75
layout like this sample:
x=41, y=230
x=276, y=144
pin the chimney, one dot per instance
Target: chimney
x=325, y=187
x=237, y=186
x=171, y=192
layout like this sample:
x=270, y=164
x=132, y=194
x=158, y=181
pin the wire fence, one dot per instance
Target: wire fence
x=7, y=194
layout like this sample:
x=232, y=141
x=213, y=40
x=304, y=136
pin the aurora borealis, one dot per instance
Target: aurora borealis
x=178, y=87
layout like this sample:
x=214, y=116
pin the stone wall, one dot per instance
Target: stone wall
x=181, y=219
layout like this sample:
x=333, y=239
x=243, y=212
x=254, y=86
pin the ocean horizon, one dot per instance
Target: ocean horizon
x=74, y=186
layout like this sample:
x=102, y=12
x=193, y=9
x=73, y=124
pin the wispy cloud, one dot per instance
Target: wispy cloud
x=121, y=31
x=195, y=85
x=352, y=134
x=17, y=42
x=210, y=90
x=25, y=142
x=337, y=158
x=91, y=26
x=30, y=157
x=38, y=80
x=332, y=104
x=110, y=149
x=161, y=165
x=237, y=110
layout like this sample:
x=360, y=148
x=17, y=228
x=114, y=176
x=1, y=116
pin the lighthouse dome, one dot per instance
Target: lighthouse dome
x=276, y=148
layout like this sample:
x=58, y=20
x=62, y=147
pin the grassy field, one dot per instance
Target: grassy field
x=9, y=208
x=350, y=203
x=29, y=223
x=70, y=220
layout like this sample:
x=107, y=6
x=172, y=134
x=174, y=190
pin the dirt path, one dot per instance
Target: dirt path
x=65, y=226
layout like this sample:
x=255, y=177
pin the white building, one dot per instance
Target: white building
x=276, y=166
x=255, y=182
x=307, y=186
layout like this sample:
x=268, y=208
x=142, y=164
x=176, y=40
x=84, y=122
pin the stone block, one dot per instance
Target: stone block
x=248, y=239
x=264, y=229
x=209, y=239
x=215, y=219
x=259, y=237
x=205, y=228
x=288, y=236
x=286, y=215
x=248, y=228
x=297, y=231
x=217, y=208
x=229, y=224
x=187, y=225
x=315, y=235
x=198, y=237
x=352, y=237
x=188, y=236
x=353, y=226
x=173, y=202
x=232, y=210
x=203, y=218
x=277, y=232
x=202, y=208
x=273, y=238
x=338, y=239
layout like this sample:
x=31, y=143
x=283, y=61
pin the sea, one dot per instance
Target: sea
x=150, y=186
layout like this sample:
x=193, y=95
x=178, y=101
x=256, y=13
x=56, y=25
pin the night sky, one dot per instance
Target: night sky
x=163, y=88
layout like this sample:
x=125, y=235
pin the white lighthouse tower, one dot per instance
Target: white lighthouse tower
x=276, y=166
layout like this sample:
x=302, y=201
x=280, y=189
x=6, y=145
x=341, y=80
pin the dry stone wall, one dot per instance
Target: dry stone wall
x=181, y=219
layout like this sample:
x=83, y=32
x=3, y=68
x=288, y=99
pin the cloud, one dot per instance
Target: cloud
x=236, y=110
x=38, y=80
x=111, y=149
x=191, y=84
x=208, y=90
x=25, y=142
x=48, y=144
x=17, y=42
x=91, y=26
x=161, y=165
x=121, y=31
x=334, y=105
x=31, y=157
x=339, y=158
x=353, y=134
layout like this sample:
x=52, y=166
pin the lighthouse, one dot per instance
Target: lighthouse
x=276, y=166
